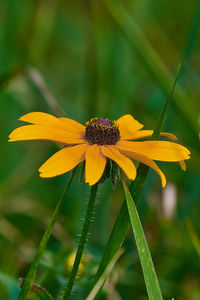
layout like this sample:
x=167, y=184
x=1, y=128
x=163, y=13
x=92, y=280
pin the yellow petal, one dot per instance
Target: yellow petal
x=69, y=123
x=147, y=133
x=145, y=160
x=38, y=132
x=124, y=162
x=156, y=150
x=63, y=161
x=95, y=164
x=47, y=120
x=128, y=126
x=183, y=165
x=40, y=118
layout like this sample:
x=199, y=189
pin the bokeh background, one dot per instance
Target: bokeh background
x=99, y=58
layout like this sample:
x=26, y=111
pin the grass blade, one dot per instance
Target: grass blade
x=122, y=222
x=151, y=59
x=150, y=276
x=29, y=280
x=97, y=287
x=160, y=124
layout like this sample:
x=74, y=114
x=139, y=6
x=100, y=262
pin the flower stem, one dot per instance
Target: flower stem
x=29, y=280
x=82, y=241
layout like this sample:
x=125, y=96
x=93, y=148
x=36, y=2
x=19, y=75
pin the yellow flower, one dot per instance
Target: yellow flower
x=99, y=140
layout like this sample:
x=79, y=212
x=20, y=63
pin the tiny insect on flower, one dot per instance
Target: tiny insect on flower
x=100, y=139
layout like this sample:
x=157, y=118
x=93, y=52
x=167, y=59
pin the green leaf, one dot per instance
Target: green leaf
x=149, y=272
x=122, y=222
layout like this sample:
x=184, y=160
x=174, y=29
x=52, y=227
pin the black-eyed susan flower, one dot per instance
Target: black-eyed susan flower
x=100, y=139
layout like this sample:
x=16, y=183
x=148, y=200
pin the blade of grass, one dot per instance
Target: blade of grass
x=157, y=130
x=29, y=280
x=149, y=272
x=122, y=222
x=151, y=59
x=93, y=293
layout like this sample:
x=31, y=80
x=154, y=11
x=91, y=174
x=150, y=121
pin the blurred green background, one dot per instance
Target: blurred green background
x=82, y=59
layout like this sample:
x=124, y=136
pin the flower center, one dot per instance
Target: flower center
x=102, y=132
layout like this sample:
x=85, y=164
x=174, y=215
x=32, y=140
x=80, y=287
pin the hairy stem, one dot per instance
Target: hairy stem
x=82, y=241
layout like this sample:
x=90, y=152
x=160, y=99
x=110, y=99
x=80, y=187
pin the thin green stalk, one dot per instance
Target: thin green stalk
x=29, y=280
x=82, y=241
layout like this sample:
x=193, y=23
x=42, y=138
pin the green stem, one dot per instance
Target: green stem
x=29, y=280
x=82, y=241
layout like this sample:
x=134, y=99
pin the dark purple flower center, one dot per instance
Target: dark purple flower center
x=104, y=122
x=102, y=132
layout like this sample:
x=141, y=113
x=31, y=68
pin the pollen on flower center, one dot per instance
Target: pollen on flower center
x=102, y=132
